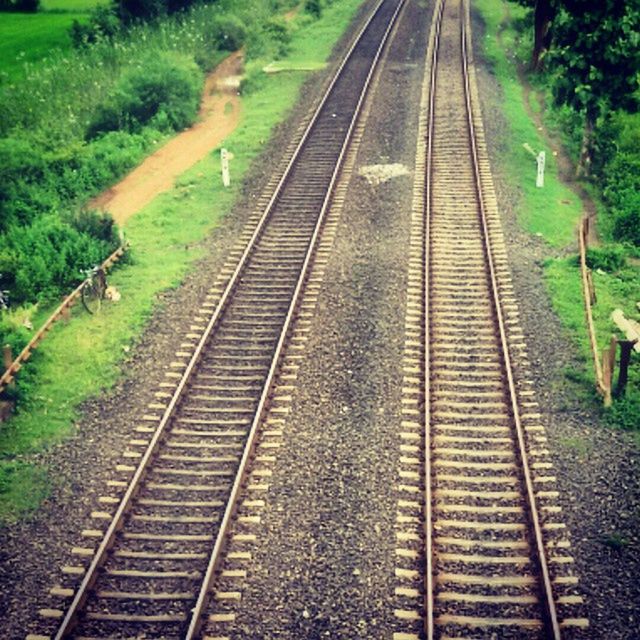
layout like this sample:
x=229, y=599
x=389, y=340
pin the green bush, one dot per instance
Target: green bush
x=47, y=258
x=608, y=259
x=314, y=7
x=29, y=6
x=228, y=32
x=163, y=91
x=103, y=24
x=622, y=195
x=269, y=38
x=22, y=168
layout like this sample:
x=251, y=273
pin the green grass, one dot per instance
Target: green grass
x=78, y=6
x=28, y=38
x=82, y=357
x=553, y=212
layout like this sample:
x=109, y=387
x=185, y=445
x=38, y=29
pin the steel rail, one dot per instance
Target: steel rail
x=91, y=575
x=231, y=508
x=428, y=526
x=550, y=621
x=552, y=626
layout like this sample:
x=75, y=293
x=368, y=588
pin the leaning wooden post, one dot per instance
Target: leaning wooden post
x=608, y=367
x=7, y=356
x=625, y=356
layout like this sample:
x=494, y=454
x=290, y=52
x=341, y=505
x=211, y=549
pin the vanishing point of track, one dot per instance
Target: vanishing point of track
x=152, y=573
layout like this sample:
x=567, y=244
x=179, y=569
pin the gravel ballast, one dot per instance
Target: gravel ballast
x=325, y=557
x=346, y=411
x=597, y=467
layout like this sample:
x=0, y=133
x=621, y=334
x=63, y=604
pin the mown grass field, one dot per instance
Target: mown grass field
x=27, y=38
x=553, y=213
x=83, y=357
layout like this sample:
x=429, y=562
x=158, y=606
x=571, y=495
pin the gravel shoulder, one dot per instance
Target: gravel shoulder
x=324, y=562
x=32, y=551
x=598, y=468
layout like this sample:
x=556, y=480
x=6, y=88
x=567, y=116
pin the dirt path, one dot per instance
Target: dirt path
x=220, y=113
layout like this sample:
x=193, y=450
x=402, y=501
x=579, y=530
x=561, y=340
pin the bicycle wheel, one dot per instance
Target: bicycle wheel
x=92, y=294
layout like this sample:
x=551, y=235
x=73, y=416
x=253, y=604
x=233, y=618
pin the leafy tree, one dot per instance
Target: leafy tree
x=543, y=13
x=595, y=60
x=30, y=6
x=133, y=10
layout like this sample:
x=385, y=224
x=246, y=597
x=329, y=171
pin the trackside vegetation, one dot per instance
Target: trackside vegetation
x=79, y=120
x=83, y=357
x=612, y=179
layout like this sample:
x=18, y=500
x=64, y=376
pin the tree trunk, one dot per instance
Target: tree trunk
x=583, y=170
x=542, y=17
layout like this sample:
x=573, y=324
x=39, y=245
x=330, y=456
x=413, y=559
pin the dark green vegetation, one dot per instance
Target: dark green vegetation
x=80, y=120
x=81, y=358
x=582, y=65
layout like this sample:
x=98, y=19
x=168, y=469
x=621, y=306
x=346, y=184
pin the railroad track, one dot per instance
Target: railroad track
x=152, y=573
x=496, y=563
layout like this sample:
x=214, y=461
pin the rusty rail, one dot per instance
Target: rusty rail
x=603, y=372
x=61, y=311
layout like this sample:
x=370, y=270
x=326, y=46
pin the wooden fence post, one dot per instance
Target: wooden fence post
x=625, y=356
x=7, y=356
x=608, y=367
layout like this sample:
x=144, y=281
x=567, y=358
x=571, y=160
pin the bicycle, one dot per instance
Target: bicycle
x=94, y=289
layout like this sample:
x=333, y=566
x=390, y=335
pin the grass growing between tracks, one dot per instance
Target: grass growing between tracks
x=84, y=357
x=553, y=212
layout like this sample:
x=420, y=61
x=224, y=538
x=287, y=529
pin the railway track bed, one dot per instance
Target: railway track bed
x=490, y=574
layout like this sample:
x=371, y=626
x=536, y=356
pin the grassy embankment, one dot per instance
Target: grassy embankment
x=84, y=356
x=554, y=211
x=27, y=38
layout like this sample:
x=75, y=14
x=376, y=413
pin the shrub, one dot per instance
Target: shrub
x=103, y=24
x=29, y=6
x=228, y=32
x=314, y=7
x=45, y=259
x=622, y=195
x=163, y=90
x=606, y=258
x=270, y=37
x=23, y=170
x=96, y=224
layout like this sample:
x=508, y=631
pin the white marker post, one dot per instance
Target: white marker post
x=224, y=160
x=540, y=159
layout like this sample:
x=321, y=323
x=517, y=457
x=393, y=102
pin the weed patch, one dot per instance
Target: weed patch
x=553, y=211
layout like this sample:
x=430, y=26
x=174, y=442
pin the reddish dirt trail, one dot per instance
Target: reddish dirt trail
x=220, y=113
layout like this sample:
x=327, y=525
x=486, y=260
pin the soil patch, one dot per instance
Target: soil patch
x=220, y=113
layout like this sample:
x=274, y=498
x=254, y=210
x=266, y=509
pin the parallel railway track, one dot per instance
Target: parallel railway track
x=153, y=570
x=487, y=554
x=495, y=556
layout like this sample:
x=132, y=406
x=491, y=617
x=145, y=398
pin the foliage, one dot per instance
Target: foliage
x=103, y=24
x=28, y=6
x=162, y=91
x=609, y=259
x=622, y=194
x=47, y=257
x=596, y=54
x=228, y=31
x=133, y=10
x=314, y=7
